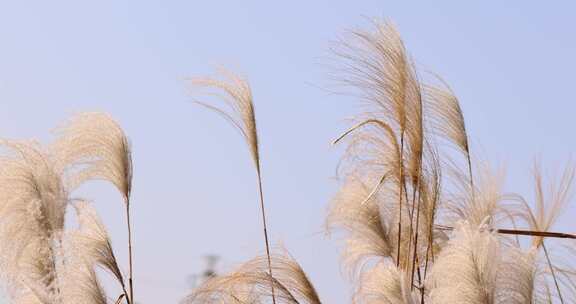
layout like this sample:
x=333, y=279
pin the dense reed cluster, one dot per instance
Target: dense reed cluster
x=421, y=221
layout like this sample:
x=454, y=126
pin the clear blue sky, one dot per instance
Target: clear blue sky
x=511, y=63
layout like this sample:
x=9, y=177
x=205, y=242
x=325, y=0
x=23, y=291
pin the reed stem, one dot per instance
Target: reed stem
x=261, y=195
x=130, y=268
x=415, y=256
x=400, y=187
x=553, y=272
x=560, y=235
x=471, y=176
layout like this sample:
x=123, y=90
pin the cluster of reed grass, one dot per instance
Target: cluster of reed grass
x=422, y=222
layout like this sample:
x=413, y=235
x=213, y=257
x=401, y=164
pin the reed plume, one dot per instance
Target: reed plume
x=97, y=144
x=93, y=146
x=447, y=120
x=469, y=261
x=370, y=227
x=367, y=226
x=377, y=65
x=93, y=243
x=385, y=284
x=80, y=282
x=491, y=205
x=238, y=97
x=517, y=283
x=33, y=204
x=547, y=208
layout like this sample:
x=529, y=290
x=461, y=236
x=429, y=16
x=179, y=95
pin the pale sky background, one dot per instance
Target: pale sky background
x=511, y=63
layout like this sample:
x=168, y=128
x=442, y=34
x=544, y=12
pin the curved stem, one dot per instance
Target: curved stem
x=375, y=190
x=377, y=122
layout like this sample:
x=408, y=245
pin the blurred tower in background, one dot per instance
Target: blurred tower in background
x=209, y=271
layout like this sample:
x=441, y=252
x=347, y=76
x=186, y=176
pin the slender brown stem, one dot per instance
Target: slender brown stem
x=416, y=204
x=125, y=294
x=400, y=188
x=560, y=235
x=121, y=280
x=422, y=295
x=471, y=176
x=120, y=298
x=537, y=233
x=428, y=247
x=130, y=269
x=429, y=251
x=420, y=286
x=414, y=190
x=266, y=235
x=411, y=230
x=414, y=257
x=553, y=272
